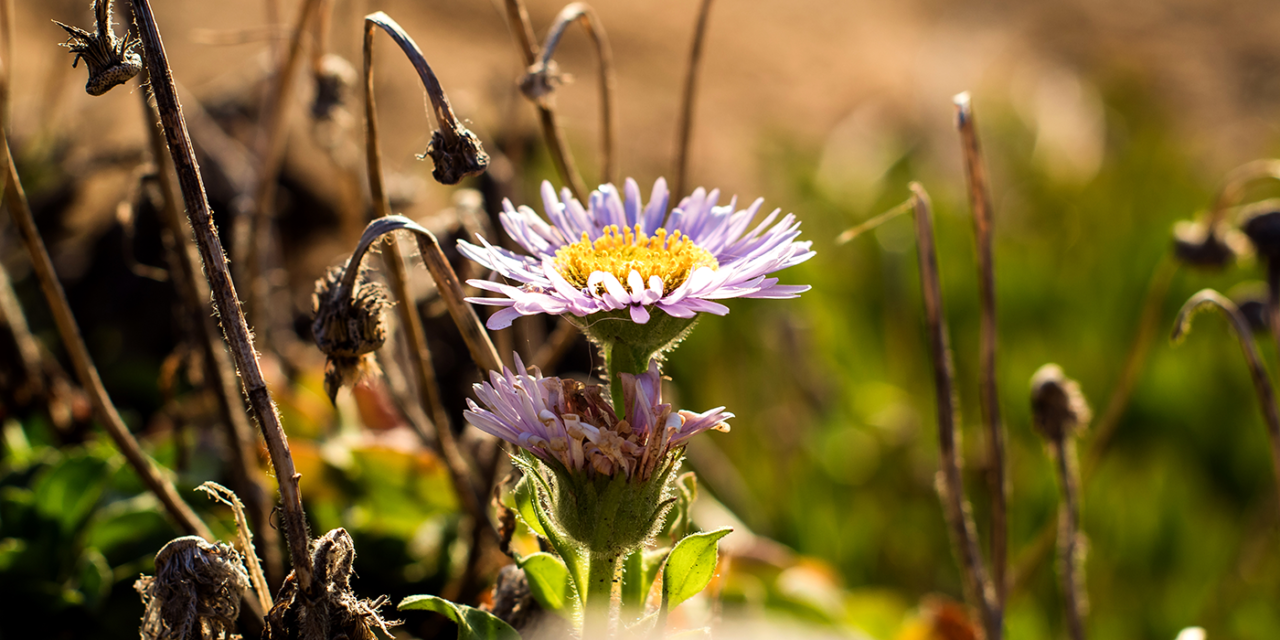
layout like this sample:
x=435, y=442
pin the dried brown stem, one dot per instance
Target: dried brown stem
x=543, y=74
x=219, y=371
x=522, y=29
x=104, y=409
x=980, y=201
x=1063, y=450
x=950, y=484
x=1234, y=185
x=1257, y=371
x=684, y=129
x=234, y=327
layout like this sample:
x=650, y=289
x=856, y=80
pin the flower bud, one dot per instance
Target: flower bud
x=1057, y=405
x=111, y=60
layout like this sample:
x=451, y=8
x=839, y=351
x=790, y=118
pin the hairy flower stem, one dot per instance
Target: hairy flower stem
x=950, y=484
x=541, y=75
x=522, y=29
x=104, y=409
x=1257, y=371
x=220, y=372
x=684, y=130
x=980, y=201
x=620, y=357
x=227, y=304
x=600, y=608
x=1063, y=450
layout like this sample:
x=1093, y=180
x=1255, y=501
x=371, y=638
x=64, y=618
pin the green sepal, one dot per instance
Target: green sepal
x=690, y=567
x=473, y=624
x=550, y=583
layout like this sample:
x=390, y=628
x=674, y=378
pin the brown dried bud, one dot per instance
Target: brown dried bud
x=347, y=328
x=456, y=156
x=1195, y=246
x=333, y=611
x=1261, y=222
x=541, y=80
x=110, y=59
x=333, y=79
x=1057, y=405
x=195, y=593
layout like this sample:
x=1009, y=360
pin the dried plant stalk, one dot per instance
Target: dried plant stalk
x=86, y=372
x=980, y=201
x=684, y=130
x=234, y=327
x=950, y=484
x=245, y=537
x=522, y=29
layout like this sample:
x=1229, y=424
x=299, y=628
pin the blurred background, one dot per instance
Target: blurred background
x=1103, y=124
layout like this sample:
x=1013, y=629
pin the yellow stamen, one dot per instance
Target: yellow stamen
x=621, y=251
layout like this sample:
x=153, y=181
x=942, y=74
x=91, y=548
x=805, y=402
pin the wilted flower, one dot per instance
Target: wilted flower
x=566, y=422
x=619, y=255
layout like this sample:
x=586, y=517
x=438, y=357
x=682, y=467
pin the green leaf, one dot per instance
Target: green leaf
x=573, y=557
x=473, y=624
x=549, y=582
x=523, y=495
x=68, y=491
x=96, y=578
x=639, y=570
x=690, y=566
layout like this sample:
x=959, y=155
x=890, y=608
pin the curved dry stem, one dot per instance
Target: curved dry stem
x=440, y=105
x=86, y=372
x=950, y=484
x=522, y=28
x=1207, y=299
x=234, y=327
x=684, y=130
x=980, y=201
x=540, y=80
x=1074, y=596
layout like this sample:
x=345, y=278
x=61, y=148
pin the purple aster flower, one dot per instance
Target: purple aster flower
x=573, y=423
x=621, y=254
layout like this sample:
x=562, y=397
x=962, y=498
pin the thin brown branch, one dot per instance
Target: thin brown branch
x=950, y=484
x=684, y=129
x=997, y=486
x=556, y=346
x=542, y=78
x=234, y=327
x=1064, y=452
x=86, y=372
x=522, y=29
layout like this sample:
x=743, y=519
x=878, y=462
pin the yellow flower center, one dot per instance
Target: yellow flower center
x=620, y=252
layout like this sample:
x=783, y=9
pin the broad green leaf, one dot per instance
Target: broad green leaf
x=96, y=578
x=690, y=566
x=639, y=570
x=67, y=492
x=473, y=624
x=549, y=582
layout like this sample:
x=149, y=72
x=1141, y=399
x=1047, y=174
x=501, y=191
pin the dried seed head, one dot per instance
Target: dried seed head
x=347, y=328
x=1195, y=246
x=333, y=611
x=195, y=593
x=334, y=79
x=456, y=156
x=1058, y=406
x=110, y=59
x=1261, y=222
x=541, y=80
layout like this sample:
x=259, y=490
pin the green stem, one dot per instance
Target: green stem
x=597, y=619
x=620, y=357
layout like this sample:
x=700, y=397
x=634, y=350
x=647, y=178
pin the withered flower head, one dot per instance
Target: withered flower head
x=1195, y=246
x=456, y=154
x=111, y=60
x=1058, y=406
x=195, y=593
x=1261, y=222
x=333, y=79
x=347, y=328
x=541, y=80
x=333, y=611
